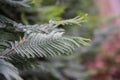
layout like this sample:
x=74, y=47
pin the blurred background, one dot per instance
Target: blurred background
x=100, y=61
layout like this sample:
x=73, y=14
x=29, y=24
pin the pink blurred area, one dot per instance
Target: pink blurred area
x=109, y=8
x=107, y=63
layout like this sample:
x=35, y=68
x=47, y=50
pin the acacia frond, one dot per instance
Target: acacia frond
x=77, y=20
x=46, y=40
x=5, y=21
x=44, y=45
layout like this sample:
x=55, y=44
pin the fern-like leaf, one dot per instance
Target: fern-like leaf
x=44, y=45
x=77, y=20
x=5, y=21
x=45, y=40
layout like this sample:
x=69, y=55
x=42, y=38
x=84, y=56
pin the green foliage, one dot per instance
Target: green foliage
x=75, y=20
x=43, y=45
x=52, y=12
x=8, y=71
x=36, y=40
